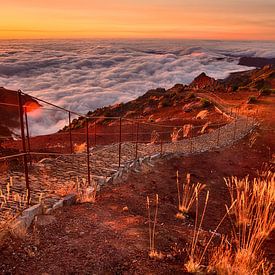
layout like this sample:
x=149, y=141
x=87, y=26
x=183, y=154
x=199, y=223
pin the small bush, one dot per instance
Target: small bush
x=252, y=100
x=265, y=92
x=191, y=96
x=235, y=88
x=166, y=102
x=206, y=103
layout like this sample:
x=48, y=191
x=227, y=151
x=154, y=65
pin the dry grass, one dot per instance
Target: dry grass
x=175, y=135
x=227, y=260
x=153, y=253
x=187, y=129
x=66, y=188
x=196, y=253
x=193, y=264
x=154, y=137
x=187, y=194
x=12, y=203
x=85, y=192
x=80, y=148
x=253, y=219
x=10, y=198
x=253, y=138
x=205, y=126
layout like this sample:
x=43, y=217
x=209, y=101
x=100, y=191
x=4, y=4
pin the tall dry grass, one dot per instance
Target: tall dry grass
x=187, y=193
x=12, y=203
x=253, y=219
x=152, y=222
x=175, y=135
x=86, y=192
x=196, y=252
x=154, y=137
x=193, y=264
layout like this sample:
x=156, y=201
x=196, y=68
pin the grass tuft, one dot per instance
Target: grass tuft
x=153, y=253
x=252, y=214
x=187, y=194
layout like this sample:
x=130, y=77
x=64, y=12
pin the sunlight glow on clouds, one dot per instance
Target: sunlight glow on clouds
x=84, y=75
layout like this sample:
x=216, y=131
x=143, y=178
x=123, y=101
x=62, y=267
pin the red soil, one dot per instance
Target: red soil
x=102, y=238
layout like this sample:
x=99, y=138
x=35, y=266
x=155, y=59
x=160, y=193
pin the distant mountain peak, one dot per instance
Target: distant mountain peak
x=203, y=81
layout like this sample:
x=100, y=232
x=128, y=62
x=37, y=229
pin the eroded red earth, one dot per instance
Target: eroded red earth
x=111, y=235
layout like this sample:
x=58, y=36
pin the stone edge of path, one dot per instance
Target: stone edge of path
x=19, y=226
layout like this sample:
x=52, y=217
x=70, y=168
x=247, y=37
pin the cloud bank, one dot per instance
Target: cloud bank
x=85, y=75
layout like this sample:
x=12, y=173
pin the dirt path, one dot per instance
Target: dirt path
x=107, y=238
x=51, y=174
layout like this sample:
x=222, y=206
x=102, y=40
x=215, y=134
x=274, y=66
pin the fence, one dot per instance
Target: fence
x=43, y=166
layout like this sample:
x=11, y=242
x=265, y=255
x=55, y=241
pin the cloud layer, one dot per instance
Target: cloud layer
x=85, y=75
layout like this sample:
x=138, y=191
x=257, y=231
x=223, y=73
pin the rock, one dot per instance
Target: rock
x=69, y=200
x=44, y=220
x=58, y=204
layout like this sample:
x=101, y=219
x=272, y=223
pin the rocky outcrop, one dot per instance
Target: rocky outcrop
x=205, y=82
x=256, y=79
x=257, y=62
x=9, y=111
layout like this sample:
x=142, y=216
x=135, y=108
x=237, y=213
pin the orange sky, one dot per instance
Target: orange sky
x=195, y=19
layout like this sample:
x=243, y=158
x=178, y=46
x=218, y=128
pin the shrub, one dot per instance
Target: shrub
x=187, y=194
x=166, y=102
x=252, y=213
x=265, y=92
x=206, y=103
x=235, y=87
x=252, y=100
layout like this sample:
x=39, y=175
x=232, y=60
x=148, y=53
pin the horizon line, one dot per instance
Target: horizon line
x=143, y=38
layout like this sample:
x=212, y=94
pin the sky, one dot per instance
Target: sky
x=177, y=19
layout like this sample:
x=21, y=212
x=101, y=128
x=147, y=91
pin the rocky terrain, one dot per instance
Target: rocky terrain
x=9, y=111
x=227, y=136
x=183, y=97
x=257, y=62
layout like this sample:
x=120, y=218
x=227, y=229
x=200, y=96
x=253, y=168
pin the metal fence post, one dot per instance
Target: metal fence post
x=161, y=148
x=119, y=145
x=88, y=151
x=21, y=114
x=70, y=132
x=28, y=135
x=137, y=140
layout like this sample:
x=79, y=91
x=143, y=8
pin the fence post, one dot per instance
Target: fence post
x=21, y=114
x=119, y=145
x=137, y=140
x=88, y=151
x=161, y=148
x=28, y=135
x=70, y=132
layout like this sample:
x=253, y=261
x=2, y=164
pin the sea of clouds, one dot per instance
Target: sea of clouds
x=84, y=75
